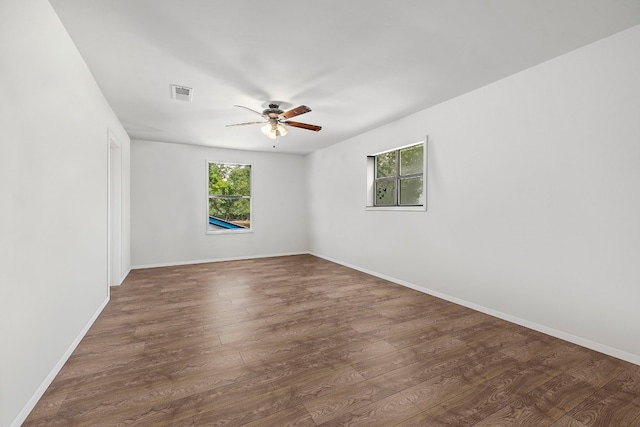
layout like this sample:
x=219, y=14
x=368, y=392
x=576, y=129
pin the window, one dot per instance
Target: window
x=229, y=197
x=396, y=179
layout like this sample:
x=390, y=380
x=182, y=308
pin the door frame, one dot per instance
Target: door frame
x=114, y=210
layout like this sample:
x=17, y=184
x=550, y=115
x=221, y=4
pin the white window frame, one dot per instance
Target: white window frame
x=371, y=166
x=235, y=230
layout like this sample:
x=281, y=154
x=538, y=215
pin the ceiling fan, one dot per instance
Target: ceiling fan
x=275, y=120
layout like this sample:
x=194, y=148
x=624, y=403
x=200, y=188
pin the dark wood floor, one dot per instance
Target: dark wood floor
x=299, y=341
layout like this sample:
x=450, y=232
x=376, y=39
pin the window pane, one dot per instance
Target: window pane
x=229, y=180
x=228, y=214
x=411, y=191
x=385, y=192
x=386, y=164
x=411, y=160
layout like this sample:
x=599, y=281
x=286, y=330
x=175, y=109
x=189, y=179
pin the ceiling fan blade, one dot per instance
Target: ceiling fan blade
x=247, y=123
x=303, y=126
x=294, y=112
x=249, y=109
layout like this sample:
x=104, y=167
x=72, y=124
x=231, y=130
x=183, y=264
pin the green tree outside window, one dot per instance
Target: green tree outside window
x=230, y=195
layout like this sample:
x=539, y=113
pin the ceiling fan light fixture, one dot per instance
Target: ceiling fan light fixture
x=267, y=130
x=282, y=129
x=272, y=131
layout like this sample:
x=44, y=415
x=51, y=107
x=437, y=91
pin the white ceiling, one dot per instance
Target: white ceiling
x=357, y=63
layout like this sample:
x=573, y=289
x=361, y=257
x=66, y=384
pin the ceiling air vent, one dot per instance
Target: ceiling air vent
x=182, y=93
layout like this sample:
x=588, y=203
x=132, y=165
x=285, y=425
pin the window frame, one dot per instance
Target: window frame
x=209, y=197
x=372, y=180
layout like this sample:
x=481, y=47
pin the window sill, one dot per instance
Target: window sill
x=397, y=208
x=236, y=231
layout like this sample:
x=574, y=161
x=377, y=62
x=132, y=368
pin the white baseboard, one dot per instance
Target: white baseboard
x=601, y=348
x=205, y=261
x=22, y=416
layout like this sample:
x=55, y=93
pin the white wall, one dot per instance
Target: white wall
x=169, y=194
x=534, y=199
x=54, y=125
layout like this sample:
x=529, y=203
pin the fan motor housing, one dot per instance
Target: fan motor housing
x=273, y=111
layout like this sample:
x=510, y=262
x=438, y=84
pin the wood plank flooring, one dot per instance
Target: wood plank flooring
x=300, y=341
